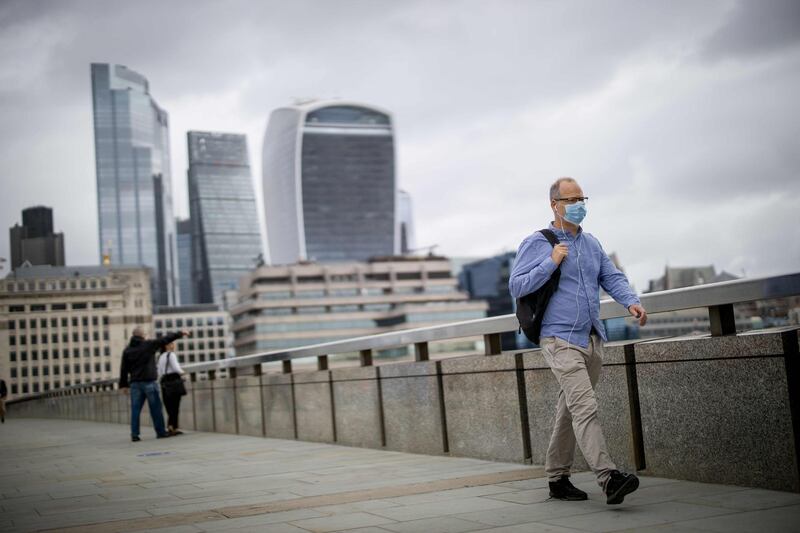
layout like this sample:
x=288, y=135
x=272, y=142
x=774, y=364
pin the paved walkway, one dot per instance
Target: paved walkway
x=84, y=476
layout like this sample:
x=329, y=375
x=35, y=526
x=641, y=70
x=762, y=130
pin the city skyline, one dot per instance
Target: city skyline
x=672, y=117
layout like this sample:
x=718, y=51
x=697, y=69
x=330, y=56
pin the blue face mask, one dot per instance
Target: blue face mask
x=575, y=213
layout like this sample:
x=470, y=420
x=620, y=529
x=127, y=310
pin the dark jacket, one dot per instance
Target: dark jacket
x=139, y=359
x=3, y=389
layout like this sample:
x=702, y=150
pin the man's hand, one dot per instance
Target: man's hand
x=638, y=311
x=186, y=333
x=560, y=252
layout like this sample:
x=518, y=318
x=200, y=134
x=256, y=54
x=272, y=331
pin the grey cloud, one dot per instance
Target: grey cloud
x=756, y=28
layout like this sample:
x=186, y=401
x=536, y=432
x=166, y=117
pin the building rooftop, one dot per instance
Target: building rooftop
x=27, y=271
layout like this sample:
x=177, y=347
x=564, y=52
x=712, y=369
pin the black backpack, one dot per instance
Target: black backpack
x=531, y=307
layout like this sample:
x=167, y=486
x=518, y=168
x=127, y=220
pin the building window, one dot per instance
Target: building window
x=35, y=388
x=44, y=355
x=14, y=389
x=106, y=351
x=35, y=371
x=108, y=367
x=24, y=388
x=45, y=370
x=34, y=355
x=13, y=371
x=97, y=367
x=23, y=356
x=85, y=321
x=13, y=357
x=58, y=307
x=99, y=305
x=12, y=340
x=96, y=351
x=24, y=371
x=16, y=308
x=53, y=322
x=37, y=308
x=94, y=320
x=105, y=320
x=12, y=324
x=81, y=305
x=87, y=367
x=55, y=353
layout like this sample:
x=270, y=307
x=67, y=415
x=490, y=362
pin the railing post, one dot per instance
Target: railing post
x=421, y=351
x=257, y=370
x=322, y=362
x=287, y=366
x=491, y=344
x=723, y=321
x=365, y=356
x=232, y=373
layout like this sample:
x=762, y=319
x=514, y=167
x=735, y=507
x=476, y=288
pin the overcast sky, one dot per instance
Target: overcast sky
x=679, y=119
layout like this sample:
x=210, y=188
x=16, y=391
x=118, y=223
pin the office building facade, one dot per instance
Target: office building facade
x=226, y=239
x=209, y=326
x=34, y=241
x=329, y=183
x=288, y=306
x=134, y=190
x=62, y=326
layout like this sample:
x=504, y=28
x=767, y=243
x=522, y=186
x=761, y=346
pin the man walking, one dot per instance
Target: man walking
x=572, y=337
x=138, y=371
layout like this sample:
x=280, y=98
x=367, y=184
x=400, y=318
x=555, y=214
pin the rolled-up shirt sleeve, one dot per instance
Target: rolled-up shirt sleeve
x=532, y=267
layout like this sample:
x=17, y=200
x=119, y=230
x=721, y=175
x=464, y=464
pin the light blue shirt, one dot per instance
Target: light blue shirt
x=575, y=307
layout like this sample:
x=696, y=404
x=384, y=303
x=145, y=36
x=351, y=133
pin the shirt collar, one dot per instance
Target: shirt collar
x=555, y=229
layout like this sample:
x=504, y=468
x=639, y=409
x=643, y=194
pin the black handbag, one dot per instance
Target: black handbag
x=172, y=383
x=531, y=307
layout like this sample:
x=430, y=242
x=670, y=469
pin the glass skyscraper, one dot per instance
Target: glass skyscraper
x=134, y=191
x=329, y=182
x=226, y=239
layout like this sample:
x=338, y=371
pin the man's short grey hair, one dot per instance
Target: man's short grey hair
x=138, y=332
x=555, y=188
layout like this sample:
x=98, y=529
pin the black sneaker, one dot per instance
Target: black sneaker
x=135, y=439
x=619, y=485
x=563, y=489
x=163, y=436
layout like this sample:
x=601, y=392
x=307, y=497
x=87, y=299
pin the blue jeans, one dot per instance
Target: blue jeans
x=141, y=390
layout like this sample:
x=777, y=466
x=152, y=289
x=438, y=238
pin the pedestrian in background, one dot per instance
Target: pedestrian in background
x=172, y=387
x=3, y=394
x=138, y=372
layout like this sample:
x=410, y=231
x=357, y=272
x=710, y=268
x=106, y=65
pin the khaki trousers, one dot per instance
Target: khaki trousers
x=577, y=370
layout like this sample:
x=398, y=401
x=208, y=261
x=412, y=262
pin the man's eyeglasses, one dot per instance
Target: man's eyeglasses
x=573, y=199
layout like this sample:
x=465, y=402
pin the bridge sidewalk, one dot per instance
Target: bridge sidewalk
x=85, y=476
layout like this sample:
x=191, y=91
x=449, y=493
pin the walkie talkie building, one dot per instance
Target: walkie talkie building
x=329, y=182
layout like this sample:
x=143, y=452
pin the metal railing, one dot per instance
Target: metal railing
x=718, y=298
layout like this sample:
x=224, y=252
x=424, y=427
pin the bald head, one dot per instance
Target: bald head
x=138, y=332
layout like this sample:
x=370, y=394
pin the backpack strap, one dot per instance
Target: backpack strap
x=550, y=236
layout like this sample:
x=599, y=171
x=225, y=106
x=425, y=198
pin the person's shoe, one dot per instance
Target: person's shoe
x=135, y=439
x=163, y=436
x=619, y=485
x=563, y=489
x=175, y=432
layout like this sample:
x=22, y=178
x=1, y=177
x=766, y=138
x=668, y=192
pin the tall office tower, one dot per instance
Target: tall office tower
x=329, y=182
x=406, y=240
x=226, y=239
x=187, y=292
x=35, y=241
x=134, y=191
